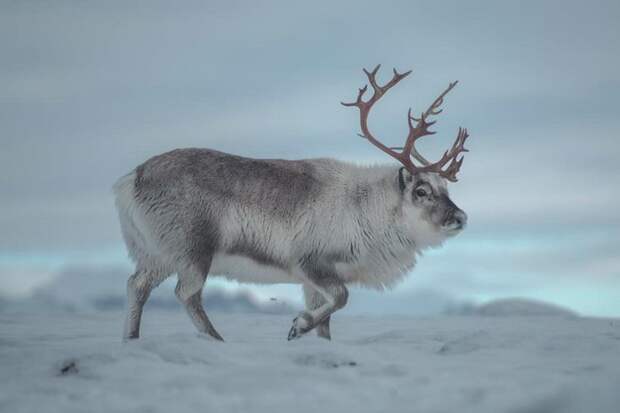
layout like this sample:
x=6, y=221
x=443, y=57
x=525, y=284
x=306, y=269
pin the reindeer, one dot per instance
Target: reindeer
x=321, y=223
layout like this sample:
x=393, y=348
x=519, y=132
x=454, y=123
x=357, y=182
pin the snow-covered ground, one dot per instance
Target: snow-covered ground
x=77, y=363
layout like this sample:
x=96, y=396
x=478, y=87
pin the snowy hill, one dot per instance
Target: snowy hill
x=76, y=363
x=517, y=307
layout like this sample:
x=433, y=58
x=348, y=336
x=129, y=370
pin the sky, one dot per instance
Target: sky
x=89, y=90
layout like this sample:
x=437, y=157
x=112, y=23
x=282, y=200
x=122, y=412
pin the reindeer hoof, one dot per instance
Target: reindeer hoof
x=293, y=332
x=301, y=325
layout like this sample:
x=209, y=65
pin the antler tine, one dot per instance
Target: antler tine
x=372, y=78
x=396, y=78
x=434, y=109
x=412, y=150
x=452, y=169
x=450, y=157
x=421, y=128
x=359, y=100
x=380, y=90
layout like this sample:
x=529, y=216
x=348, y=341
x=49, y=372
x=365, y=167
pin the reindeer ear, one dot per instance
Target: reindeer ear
x=404, y=177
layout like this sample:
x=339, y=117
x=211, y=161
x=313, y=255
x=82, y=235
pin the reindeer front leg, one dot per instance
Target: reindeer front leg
x=333, y=296
x=314, y=300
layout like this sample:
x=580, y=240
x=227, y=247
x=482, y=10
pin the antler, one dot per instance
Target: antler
x=420, y=129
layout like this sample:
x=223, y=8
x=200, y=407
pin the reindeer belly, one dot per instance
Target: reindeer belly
x=374, y=273
x=248, y=270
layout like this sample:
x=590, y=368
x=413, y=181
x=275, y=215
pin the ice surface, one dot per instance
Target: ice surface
x=77, y=363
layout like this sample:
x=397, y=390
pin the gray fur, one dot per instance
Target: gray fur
x=319, y=222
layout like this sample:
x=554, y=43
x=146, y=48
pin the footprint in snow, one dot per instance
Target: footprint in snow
x=327, y=361
x=68, y=367
x=463, y=345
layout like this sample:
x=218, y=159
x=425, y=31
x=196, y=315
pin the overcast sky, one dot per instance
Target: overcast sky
x=88, y=90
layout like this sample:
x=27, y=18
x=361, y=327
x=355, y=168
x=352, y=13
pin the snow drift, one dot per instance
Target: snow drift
x=70, y=362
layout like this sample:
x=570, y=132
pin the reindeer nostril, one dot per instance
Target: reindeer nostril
x=457, y=220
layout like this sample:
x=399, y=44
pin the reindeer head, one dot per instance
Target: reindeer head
x=428, y=209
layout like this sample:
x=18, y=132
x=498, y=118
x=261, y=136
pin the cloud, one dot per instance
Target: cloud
x=94, y=90
x=92, y=290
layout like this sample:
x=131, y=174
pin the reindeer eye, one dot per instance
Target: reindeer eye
x=420, y=192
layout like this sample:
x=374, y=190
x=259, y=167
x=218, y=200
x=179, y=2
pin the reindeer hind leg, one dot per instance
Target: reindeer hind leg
x=189, y=292
x=139, y=287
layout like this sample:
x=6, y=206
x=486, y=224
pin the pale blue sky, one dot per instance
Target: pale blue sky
x=88, y=90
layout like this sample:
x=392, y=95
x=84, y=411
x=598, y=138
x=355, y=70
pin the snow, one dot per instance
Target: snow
x=76, y=362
